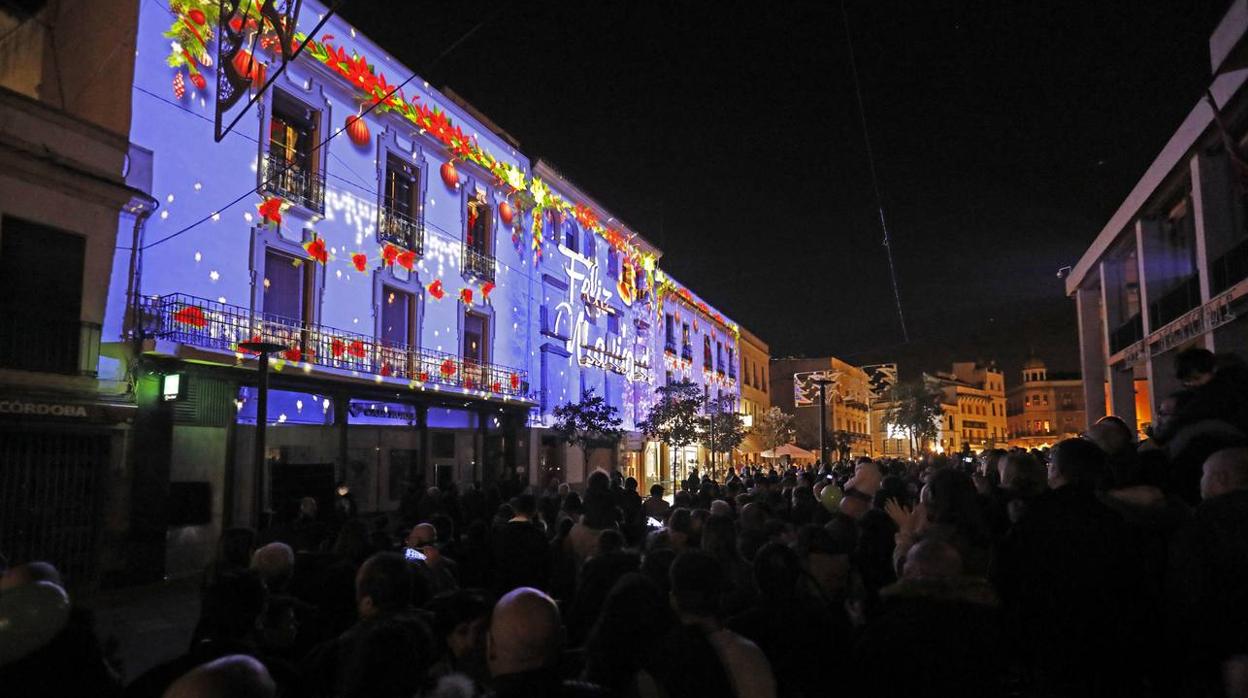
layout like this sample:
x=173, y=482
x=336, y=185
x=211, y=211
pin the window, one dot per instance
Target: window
x=291, y=169
x=613, y=262
x=474, y=339
x=719, y=357
x=398, y=320
x=286, y=286
x=479, y=237
x=46, y=336
x=667, y=378
x=613, y=323
x=400, y=212
x=590, y=245
x=570, y=235
x=732, y=363
x=766, y=383
x=669, y=333
x=706, y=353
x=686, y=344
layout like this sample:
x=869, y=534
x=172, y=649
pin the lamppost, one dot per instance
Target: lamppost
x=262, y=349
x=823, y=384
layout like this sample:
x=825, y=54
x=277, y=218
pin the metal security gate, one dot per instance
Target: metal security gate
x=50, y=486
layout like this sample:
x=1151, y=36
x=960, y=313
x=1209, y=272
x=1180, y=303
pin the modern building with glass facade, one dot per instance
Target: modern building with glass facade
x=1170, y=268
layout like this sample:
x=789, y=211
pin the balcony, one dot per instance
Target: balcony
x=299, y=185
x=30, y=342
x=1172, y=304
x=1230, y=268
x=478, y=264
x=401, y=229
x=1126, y=334
x=686, y=352
x=203, y=323
x=669, y=346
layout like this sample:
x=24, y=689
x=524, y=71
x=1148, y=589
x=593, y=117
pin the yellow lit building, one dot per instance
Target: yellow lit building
x=974, y=406
x=848, y=411
x=755, y=390
x=1045, y=408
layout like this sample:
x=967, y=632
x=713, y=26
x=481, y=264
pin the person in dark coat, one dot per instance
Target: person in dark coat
x=521, y=555
x=947, y=627
x=787, y=622
x=1068, y=574
x=1209, y=562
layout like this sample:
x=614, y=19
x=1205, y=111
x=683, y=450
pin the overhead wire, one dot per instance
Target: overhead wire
x=875, y=181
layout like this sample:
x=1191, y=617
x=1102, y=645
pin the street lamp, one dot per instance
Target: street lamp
x=262, y=349
x=823, y=384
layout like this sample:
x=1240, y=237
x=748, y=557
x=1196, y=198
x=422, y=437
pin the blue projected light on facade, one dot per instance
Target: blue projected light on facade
x=432, y=275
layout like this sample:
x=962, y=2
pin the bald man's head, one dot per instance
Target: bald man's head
x=422, y=535
x=1225, y=471
x=233, y=676
x=933, y=559
x=525, y=634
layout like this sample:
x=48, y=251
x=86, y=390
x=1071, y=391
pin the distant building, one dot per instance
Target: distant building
x=755, y=391
x=1170, y=268
x=1045, y=408
x=974, y=402
x=848, y=411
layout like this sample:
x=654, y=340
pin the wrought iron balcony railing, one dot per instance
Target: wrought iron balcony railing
x=406, y=231
x=300, y=185
x=32, y=342
x=204, y=323
x=478, y=264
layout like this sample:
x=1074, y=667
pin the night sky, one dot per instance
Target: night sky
x=1005, y=134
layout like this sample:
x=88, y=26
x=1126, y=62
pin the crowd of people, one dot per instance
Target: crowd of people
x=1099, y=567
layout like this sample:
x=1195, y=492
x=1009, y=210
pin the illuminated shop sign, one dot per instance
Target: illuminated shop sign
x=373, y=412
x=587, y=301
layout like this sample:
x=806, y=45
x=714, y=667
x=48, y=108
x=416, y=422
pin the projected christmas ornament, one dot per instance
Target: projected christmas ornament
x=179, y=85
x=505, y=213
x=360, y=261
x=435, y=290
x=449, y=176
x=357, y=130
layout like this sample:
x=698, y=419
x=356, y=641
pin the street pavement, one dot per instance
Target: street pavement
x=150, y=623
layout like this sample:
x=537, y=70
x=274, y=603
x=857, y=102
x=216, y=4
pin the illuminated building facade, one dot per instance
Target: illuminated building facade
x=697, y=344
x=973, y=399
x=1045, y=408
x=848, y=410
x=435, y=294
x=595, y=330
x=755, y=389
x=1170, y=268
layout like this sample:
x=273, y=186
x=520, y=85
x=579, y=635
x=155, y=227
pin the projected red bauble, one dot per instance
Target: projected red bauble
x=506, y=213
x=357, y=130
x=450, y=177
x=249, y=67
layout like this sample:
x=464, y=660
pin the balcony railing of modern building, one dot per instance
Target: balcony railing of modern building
x=1230, y=268
x=1126, y=334
x=300, y=185
x=402, y=229
x=477, y=263
x=1173, y=303
x=200, y=322
x=33, y=342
